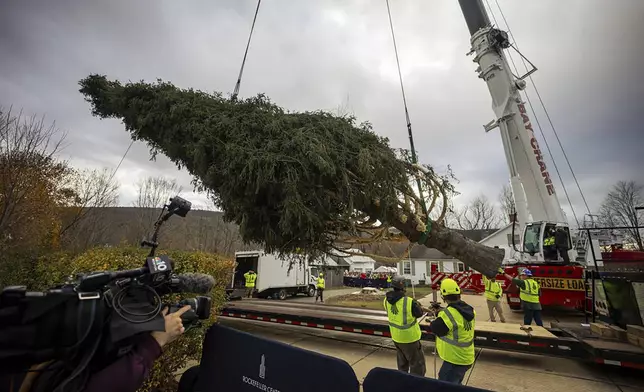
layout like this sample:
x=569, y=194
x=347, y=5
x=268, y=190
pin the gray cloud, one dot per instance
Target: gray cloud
x=330, y=53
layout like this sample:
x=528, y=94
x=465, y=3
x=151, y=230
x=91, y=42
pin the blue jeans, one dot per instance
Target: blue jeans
x=529, y=314
x=452, y=373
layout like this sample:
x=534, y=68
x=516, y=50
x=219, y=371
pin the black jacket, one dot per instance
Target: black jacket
x=438, y=326
x=561, y=239
x=396, y=295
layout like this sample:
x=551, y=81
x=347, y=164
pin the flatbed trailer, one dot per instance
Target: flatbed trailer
x=563, y=340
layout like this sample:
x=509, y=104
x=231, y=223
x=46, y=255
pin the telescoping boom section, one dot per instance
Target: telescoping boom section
x=534, y=193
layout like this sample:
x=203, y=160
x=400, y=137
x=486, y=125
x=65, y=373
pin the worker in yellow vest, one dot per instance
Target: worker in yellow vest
x=250, y=277
x=454, y=330
x=493, y=294
x=319, y=292
x=388, y=281
x=530, y=291
x=403, y=313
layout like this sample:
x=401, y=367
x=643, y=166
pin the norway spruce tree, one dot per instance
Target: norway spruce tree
x=304, y=183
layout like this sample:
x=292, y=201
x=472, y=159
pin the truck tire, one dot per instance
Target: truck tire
x=311, y=291
x=282, y=294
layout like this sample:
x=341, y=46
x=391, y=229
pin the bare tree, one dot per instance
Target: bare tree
x=479, y=214
x=619, y=209
x=90, y=191
x=153, y=193
x=506, y=199
x=29, y=176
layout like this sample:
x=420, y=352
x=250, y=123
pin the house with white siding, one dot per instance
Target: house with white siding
x=422, y=261
x=502, y=239
x=358, y=263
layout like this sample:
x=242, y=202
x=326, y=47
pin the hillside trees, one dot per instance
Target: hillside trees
x=43, y=200
x=291, y=181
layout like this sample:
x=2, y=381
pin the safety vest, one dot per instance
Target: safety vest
x=320, y=283
x=531, y=291
x=250, y=279
x=388, y=279
x=549, y=241
x=493, y=290
x=457, y=347
x=403, y=326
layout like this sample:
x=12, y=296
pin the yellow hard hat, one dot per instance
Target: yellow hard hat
x=449, y=287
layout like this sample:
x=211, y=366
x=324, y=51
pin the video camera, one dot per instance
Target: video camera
x=91, y=320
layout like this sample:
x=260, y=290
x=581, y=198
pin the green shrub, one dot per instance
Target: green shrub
x=54, y=269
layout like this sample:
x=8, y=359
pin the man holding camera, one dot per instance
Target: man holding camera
x=129, y=372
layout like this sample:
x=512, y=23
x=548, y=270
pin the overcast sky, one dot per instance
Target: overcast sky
x=326, y=54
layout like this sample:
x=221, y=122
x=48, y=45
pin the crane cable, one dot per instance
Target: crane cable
x=241, y=69
x=414, y=158
x=536, y=118
x=543, y=106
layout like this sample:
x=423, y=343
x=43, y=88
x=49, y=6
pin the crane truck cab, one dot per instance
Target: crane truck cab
x=540, y=242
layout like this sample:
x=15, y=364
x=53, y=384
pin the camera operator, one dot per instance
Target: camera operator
x=130, y=371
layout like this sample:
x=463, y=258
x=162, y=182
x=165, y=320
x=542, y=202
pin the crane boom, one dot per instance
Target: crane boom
x=528, y=170
x=538, y=210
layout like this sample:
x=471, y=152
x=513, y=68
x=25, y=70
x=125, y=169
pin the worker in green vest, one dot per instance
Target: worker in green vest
x=403, y=313
x=530, y=290
x=388, y=281
x=319, y=292
x=250, y=277
x=493, y=294
x=454, y=330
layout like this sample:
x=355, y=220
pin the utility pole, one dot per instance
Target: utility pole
x=637, y=228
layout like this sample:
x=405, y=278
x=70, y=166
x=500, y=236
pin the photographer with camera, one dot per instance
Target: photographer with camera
x=101, y=331
x=130, y=371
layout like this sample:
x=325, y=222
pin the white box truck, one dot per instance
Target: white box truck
x=274, y=280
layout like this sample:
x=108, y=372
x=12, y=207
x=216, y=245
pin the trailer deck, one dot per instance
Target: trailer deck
x=566, y=341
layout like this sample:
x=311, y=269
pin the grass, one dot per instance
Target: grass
x=373, y=301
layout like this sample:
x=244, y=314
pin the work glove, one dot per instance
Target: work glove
x=501, y=270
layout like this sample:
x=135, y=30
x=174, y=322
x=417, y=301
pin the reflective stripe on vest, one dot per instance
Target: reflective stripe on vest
x=492, y=289
x=250, y=279
x=454, y=341
x=403, y=326
x=457, y=347
x=531, y=291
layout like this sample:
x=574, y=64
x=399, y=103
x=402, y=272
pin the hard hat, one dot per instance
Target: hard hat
x=321, y=274
x=526, y=272
x=450, y=287
x=398, y=282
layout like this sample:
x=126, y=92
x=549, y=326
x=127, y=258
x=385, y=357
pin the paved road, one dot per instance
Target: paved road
x=493, y=370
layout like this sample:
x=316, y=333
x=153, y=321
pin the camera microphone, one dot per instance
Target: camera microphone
x=195, y=283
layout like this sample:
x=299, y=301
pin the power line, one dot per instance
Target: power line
x=121, y=161
x=536, y=90
x=534, y=113
x=241, y=69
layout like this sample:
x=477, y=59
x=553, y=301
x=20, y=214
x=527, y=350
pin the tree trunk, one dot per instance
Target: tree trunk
x=478, y=257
